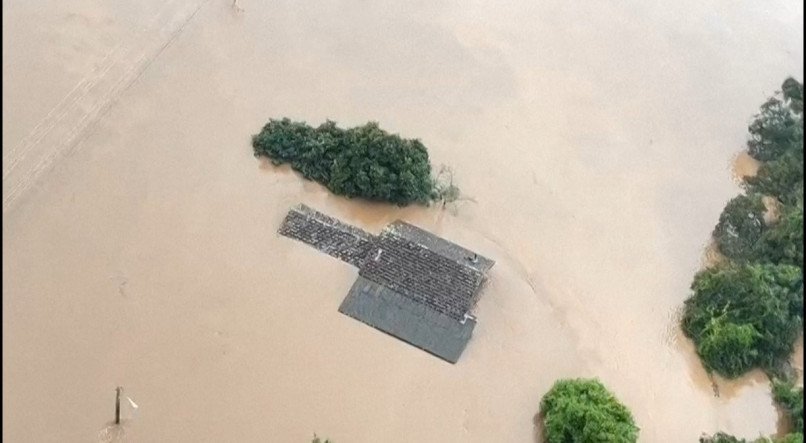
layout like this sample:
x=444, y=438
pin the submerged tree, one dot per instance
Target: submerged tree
x=747, y=314
x=583, y=410
x=790, y=398
x=793, y=91
x=721, y=437
x=776, y=139
x=778, y=127
x=781, y=178
x=364, y=161
x=740, y=226
x=742, y=317
x=782, y=243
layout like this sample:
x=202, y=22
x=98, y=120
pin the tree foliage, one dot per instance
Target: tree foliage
x=790, y=399
x=583, y=410
x=748, y=313
x=781, y=178
x=744, y=316
x=776, y=139
x=721, y=437
x=792, y=437
x=742, y=235
x=793, y=91
x=778, y=127
x=364, y=161
x=782, y=243
x=740, y=226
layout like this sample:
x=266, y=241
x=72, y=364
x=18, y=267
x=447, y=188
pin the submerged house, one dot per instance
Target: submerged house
x=411, y=284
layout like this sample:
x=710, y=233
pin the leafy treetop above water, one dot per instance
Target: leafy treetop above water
x=364, y=161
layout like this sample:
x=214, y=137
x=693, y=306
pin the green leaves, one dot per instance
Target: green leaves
x=776, y=139
x=781, y=178
x=790, y=399
x=729, y=347
x=778, y=128
x=740, y=226
x=783, y=242
x=364, y=161
x=744, y=316
x=583, y=410
x=721, y=437
x=747, y=314
x=793, y=91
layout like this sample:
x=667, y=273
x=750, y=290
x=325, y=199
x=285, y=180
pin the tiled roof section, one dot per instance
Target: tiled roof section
x=440, y=245
x=327, y=234
x=412, y=322
x=411, y=269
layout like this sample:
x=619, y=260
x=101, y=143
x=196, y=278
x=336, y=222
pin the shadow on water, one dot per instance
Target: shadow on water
x=537, y=424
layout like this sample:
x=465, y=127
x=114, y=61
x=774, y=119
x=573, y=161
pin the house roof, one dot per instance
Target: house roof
x=414, y=263
x=412, y=284
x=440, y=245
x=423, y=275
x=412, y=322
x=327, y=234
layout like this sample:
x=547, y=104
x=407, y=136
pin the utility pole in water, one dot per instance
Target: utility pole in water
x=118, y=390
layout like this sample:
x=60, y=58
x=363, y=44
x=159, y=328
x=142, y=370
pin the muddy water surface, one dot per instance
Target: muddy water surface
x=596, y=144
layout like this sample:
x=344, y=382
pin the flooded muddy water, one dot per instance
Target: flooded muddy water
x=140, y=244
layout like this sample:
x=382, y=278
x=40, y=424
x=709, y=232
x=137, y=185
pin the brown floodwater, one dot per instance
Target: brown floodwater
x=140, y=244
x=744, y=166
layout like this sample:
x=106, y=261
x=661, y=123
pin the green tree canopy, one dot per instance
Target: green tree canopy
x=744, y=316
x=748, y=313
x=782, y=243
x=776, y=139
x=583, y=410
x=721, y=437
x=781, y=178
x=778, y=127
x=793, y=91
x=790, y=398
x=364, y=161
x=740, y=226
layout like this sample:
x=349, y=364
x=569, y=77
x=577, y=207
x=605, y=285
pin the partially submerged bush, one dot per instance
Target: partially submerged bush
x=742, y=235
x=740, y=227
x=795, y=437
x=744, y=316
x=781, y=178
x=776, y=139
x=790, y=399
x=793, y=91
x=364, y=161
x=782, y=243
x=583, y=410
x=778, y=127
x=721, y=437
x=747, y=313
